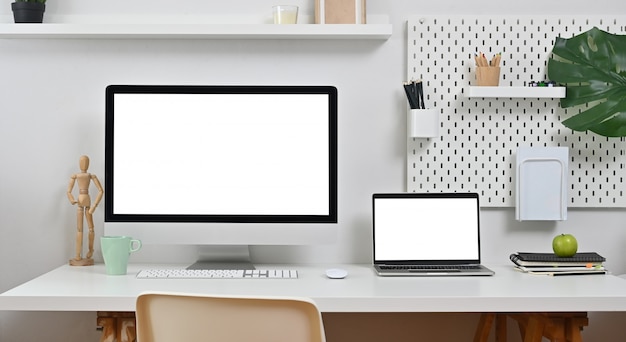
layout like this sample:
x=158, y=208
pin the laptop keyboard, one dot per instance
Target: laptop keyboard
x=430, y=267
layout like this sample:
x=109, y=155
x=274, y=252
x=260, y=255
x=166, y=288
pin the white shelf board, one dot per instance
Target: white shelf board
x=528, y=92
x=195, y=31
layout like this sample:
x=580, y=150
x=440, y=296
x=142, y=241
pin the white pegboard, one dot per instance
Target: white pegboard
x=479, y=136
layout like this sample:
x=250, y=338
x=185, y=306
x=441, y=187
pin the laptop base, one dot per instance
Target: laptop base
x=475, y=270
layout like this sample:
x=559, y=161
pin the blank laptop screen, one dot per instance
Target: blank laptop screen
x=433, y=228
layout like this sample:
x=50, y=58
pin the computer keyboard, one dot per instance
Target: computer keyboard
x=216, y=274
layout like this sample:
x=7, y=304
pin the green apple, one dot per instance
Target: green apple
x=564, y=245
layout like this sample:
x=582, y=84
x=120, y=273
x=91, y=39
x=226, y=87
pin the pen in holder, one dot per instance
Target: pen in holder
x=422, y=122
x=488, y=72
x=488, y=76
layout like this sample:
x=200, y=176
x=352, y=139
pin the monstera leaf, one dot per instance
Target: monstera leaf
x=592, y=66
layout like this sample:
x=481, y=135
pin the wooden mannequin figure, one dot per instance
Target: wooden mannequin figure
x=85, y=210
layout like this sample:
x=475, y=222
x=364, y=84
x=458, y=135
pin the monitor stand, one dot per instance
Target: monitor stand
x=223, y=257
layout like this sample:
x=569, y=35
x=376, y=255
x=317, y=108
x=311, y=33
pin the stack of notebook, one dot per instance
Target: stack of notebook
x=551, y=264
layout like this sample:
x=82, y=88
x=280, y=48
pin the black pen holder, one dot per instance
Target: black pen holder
x=423, y=123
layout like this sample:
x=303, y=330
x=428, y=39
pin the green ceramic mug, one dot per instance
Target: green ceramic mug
x=115, y=252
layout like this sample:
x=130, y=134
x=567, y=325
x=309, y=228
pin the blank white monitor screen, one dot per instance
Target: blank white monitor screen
x=426, y=227
x=225, y=154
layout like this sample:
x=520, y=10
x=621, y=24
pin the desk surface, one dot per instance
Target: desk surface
x=90, y=289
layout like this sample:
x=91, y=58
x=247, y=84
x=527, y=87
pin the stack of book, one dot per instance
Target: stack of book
x=551, y=264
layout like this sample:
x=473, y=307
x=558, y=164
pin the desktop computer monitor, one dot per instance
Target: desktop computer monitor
x=221, y=166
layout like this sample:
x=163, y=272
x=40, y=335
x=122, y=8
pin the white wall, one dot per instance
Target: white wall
x=51, y=112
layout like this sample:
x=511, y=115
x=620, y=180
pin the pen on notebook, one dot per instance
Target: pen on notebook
x=557, y=274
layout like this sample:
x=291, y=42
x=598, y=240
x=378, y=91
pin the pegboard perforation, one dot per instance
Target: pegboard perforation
x=480, y=136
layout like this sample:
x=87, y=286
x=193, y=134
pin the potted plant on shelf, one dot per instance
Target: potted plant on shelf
x=592, y=65
x=28, y=11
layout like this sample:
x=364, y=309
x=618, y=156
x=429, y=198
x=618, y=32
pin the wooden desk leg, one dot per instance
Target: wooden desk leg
x=534, y=329
x=126, y=329
x=117, y=326
x=501, y=328
x=108, y=328
x=484, y=327
x=573, y=327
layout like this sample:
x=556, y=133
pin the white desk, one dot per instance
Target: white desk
x=89, y=289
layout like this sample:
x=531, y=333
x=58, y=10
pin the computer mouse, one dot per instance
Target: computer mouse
x=336, y=273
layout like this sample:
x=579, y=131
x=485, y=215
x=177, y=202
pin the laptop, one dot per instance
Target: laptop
x=427, y=234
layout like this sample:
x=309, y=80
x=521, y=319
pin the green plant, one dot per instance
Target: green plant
x=592, y=65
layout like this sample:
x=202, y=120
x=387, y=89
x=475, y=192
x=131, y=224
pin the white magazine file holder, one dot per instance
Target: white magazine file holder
x=541, y=184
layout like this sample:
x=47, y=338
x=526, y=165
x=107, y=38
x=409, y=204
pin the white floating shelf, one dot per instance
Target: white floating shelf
x=195, y=31
x=528, y=92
